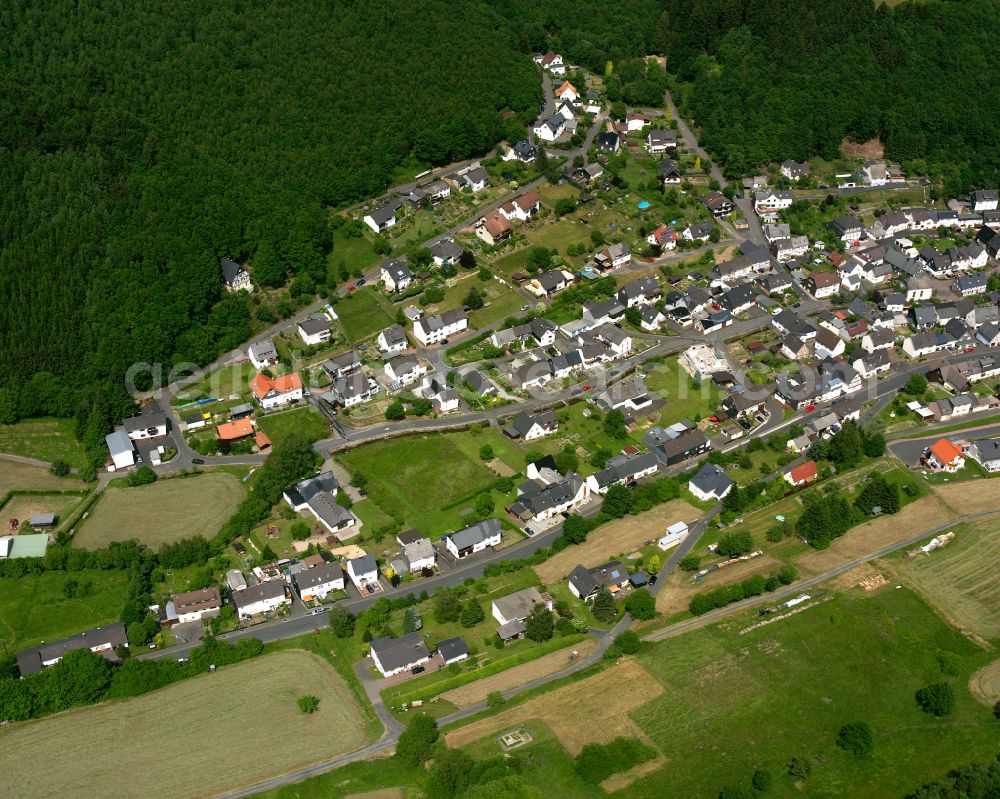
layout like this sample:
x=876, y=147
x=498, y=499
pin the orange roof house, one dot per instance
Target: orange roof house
x=946, y=455
x=801, y=474
x=234, y=431
x=262, y=385
x=567, y=88
x=263, y=442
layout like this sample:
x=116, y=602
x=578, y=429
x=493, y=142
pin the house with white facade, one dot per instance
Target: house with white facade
x=260, y=599
x=395, y=275
x=436, y=329
x=363, y=572
x=273, y=392
x=205, y=603
x=315, y=330
x=320, y=581
x=393, y=656
x=392, y=340
x=263, y=354
x=474, y=539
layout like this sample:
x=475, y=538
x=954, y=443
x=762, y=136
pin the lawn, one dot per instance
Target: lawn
x=684, y=399
x=43, y=439
x=356, y=253
x=165, y=511
x=960, y=579
x=36, y=608
x=365, y=313
x=305, y=421
x=115, y=743
x=226, y=382
x=429, y=480
x=733, y=704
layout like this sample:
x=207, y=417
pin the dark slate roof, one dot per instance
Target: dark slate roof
x=396, y=653
x=29, y=661
x=451, y=648
x=711, y=480
x=305, y=490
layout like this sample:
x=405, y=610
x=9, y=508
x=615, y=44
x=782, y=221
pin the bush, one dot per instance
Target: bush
x=640, y=604
x=308, y=704
x=733, y=545
x=628, y=642
x=799, y=767
x=597, y=762
x=416, y=742
x=142, y=476
x=761, y=781
x=937, y=699
x=690, y=563
x=857, y=737
x=495, y=699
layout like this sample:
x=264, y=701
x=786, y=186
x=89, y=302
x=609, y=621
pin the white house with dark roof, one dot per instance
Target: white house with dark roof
x=318, y=495
x=710, y=483
x=205, y=603
x=585, y=583
x=474, y=539
x=315, y=330
x=986, y=452
x=320, y=581
x=234, y=276
x=531, y=426
x=445, y=252
x=405, y=369
x=383, y=217
x=395, y=655
x=262, y=353
x=435, y=329
x=395, y=275
x=363, y=572
x=255, y=600
x=392, y=340
x=419, y=555
x=145, y=426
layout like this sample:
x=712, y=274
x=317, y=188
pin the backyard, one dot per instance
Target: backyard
x=54, y=604
x=305, y=421
x=165, y=511
x=365, y=313
x=21, y=477
x=115, y=742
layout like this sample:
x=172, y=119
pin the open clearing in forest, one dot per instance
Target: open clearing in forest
x=197, y=738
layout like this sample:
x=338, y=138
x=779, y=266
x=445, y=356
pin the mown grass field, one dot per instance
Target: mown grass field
x=24, y=506
x=305, y=421
x=732, y=704
x=423, y=478
x=365, y=314
x=167, y=510
x=43, y=439
x=36, y=608
x=197, y=738
x=961, y=578
x=684, y=400
x=19, y=477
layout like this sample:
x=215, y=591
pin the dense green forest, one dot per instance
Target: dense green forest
x=141, y=141
x=773, y=79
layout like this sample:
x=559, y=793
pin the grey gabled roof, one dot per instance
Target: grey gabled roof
x=581, y=580
x=29, y=661
x=230, y=269
x=305, y=490
x=118, y=442
x=144, y=421
x=396, y=653
x=264, y=350
x=271, y=589
x=318, y=575
x=363, y=564
x=452, y=648
x=711, y=480
x=480, y=531
x=385, y=212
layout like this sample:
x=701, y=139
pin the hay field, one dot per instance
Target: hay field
x=20, y=477
x=165, y=511
x=194, y=739
x=961, y=578
x=477, y=691
x=592, y=710
x=623, y=535
x=970, y=496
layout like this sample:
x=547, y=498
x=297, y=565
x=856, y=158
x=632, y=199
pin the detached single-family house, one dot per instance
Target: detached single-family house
x=383, y=217
x=474, y=538
x=102, y=640
x=567, y=91
x=452, y=650
x=717, y=204
x=395, y=655
x=846, y=228
x=613, y=257
x=395, y=275
x=878, y=339
x=771, y=200
x=552, y=62
x=986, y=452
x=828, y=344
x=263, y=354
x=145, y=426
x=255, y=600
x=436, y=329
x=419, y=555
x=234, y=276
x=661, y=141
x=585, y=583
x=405, y=369
x=320, y=581
x=204, y=603
x=518, y=606
x=392, y=340
x=530, y=426
x=445, y=252
x=801, y=474
x=609, y=142
x=873, y=363
x=273, y=392
x=493, y=228
x=315, y=330
x=874, y=173
x=822, y=284
x=363, y=572
x=669, y=172
x=794, y=170
x=551, y=128
x=945, y=456
x=710, y=483
x=970, y=285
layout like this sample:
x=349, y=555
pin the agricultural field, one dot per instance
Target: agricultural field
x=306, y=421
x=21, y=477
x=165, y=511
x=616, y=538
x=115, y=742
x=407, y=475
x=960, y=579
x=54, y=604
x=733, y=704
x=43, y=439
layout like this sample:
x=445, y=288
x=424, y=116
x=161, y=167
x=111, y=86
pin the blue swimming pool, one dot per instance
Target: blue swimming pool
x=644, y=204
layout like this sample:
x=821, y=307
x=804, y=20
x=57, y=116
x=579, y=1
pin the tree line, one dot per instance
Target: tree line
x=768, y=80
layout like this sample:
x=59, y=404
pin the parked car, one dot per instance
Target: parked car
x=197, y=461
x=417, y=670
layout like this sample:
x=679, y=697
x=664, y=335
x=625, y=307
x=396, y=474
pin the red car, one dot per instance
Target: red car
x=586, y=388
x=971, y=348
x=810, y=408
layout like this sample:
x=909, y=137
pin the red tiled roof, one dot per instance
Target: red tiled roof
x=945, y=451
x=804, y=472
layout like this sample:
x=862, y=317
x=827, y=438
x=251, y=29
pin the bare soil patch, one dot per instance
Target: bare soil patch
x=382, y=793
x=873, y=148
x=985, y=684
x=618, y=781
x=676, y=594
x=923, y=514
x=623, y=535
x=594, y=710
x=518, y=675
